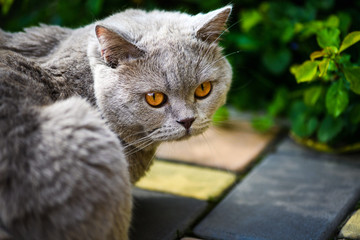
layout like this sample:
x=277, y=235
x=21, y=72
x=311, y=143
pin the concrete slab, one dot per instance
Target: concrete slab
x=351, y=229
x=162, y=216
x=286, y=197
x=186, y=180
x=232, y=148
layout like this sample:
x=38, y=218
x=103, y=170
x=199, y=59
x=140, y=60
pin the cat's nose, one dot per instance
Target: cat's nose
x=186, y=123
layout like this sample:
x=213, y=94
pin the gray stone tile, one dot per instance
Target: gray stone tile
x=158, y=216
x=287, y=196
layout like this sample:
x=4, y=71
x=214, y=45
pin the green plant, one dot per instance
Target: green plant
x=329, y=111
x=5, y=5
x=264, y=39
x=221, y=116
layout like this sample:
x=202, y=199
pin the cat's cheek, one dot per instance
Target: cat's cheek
x=150, y=118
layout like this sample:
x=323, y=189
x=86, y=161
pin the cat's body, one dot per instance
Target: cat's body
x=64, y=174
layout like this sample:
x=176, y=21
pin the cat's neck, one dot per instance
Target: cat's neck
x=139, y=162
x=139, y=154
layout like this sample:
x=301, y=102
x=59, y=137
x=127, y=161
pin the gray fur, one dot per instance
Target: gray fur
x=63, y=172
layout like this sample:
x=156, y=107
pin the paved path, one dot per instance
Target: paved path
x=290, y=192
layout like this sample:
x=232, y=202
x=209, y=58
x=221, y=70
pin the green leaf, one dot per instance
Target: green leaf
x=317, y=54
x=303, y=120
x=245, y=42
x=350, y=40
x=262, y=124
x=323, y=4
x=328, y=37
x=352, y=75
x=345, y=21
x=287, y=33
x=221, y=115
x=332, y=22
x=344, y=59
x=279, y=102
x=277, y=61
x=311, y=28
x=5, y=6
x=329, y=52
x=249, y=19
x=329, y=128
x=337, y=99
x=312, y=95
x=303, y=126
x=323, y=66
x=355, y=114
x=95, y=6
x=306, y=72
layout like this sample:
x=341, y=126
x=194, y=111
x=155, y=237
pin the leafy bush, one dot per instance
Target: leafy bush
x=265, y=38
x=330, y=109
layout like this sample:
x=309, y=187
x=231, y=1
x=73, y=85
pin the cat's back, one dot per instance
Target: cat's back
x=23, y=82
x=34, y=42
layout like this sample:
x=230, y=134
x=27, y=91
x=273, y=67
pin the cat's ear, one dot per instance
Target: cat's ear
x=213, y=24
x=115, y=47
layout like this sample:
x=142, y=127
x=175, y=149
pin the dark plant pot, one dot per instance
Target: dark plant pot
x=323, y=147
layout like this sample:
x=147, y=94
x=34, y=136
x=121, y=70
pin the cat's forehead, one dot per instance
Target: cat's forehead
x=177, y=70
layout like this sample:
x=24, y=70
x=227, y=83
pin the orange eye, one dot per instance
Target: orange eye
x=203, y=90
x=155, y=99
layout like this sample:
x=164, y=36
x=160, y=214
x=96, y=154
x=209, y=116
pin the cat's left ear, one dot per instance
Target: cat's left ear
x=116, y=47
x=213, y=24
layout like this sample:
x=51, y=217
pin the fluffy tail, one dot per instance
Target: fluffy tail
x=65, y=177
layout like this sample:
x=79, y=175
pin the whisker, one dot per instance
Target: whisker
x=226, y=30
x=206, y=68
x=139, y=148
x=221, y=58
x=137, y=142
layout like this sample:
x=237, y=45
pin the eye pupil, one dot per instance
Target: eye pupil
x=202, y=87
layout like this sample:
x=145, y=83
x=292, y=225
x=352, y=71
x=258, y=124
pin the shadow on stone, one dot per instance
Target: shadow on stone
x=158, y=216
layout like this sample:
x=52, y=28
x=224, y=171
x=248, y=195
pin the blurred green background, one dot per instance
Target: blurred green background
x=265, y=39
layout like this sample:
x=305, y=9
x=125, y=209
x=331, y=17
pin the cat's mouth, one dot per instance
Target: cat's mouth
x=188, y=133
x=164, y=134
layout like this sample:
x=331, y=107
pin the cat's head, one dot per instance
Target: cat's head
x=159, y=76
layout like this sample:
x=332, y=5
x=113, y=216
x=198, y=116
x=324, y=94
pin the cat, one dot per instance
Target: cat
x=82, y=112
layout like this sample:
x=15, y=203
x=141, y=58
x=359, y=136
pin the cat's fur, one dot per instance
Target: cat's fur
x=64, y=174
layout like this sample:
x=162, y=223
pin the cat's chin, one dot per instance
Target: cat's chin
x=185, y=137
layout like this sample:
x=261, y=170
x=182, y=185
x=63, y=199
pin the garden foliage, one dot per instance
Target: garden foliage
x=330, y=108
x=315, y=39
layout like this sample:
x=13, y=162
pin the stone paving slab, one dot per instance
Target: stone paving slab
x=158, y=216
x=287, y=196
x=351, y=229
x=232, y=148
x=186, y=180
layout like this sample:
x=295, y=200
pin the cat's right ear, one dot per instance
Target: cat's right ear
x=115, y=47
x=213, y=24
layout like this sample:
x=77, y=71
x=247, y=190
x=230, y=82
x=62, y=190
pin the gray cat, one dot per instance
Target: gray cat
x=82, y=112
